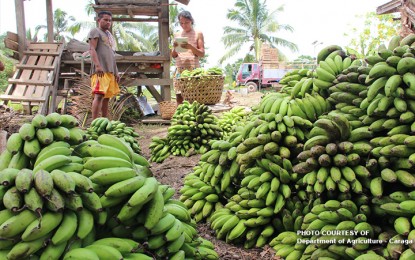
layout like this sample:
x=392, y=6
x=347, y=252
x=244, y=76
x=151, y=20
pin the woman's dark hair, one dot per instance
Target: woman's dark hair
x=187, y=15
x=102, y=13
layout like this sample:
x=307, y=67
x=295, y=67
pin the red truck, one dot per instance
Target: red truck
x=254, y=76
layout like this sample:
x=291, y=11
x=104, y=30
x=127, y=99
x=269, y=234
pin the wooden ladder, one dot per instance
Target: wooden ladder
x=35, y=81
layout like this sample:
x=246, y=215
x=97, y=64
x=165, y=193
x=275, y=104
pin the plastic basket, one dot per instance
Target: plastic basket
x=167, y=109
x=203, y=89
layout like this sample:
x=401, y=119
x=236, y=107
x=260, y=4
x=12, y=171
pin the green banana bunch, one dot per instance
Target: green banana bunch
x=230, y=120
x=192, y=127
x=31, y=138
x=103, y=125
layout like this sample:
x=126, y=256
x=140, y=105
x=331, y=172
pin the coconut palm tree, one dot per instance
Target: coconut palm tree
x=64, y=26
x=255, y=25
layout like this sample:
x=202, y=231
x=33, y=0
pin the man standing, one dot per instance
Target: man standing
x=104, y=71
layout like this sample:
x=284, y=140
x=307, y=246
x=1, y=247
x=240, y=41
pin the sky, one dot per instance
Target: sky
x=324, y=21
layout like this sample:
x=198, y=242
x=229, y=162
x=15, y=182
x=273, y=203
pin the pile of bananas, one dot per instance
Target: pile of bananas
x=23, y=147
x=192, y=127
x=231, y=119
x=96, y=200
x=263, y=155
x=210, y=178
x=202, y=72
x=103, y=125
x=345, y=166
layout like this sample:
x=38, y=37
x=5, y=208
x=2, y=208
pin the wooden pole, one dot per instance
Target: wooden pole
x=21, y=26
x=49, y=15
x=164, y=34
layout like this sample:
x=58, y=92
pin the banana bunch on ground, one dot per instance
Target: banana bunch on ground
x=211, y=179
x=24, y=146
x=136, y=205
x=103, y=125
x=328, y=129
x=47, y=211
x=200, y=197
x=391, y=80
x=338, y=229
x=159, y=149
x=255, y=226
x=150, y=216
x=293, y=75
x=231, y=119
x=331, y=64
x=310, y=107
x=330, y=162
x=108, y=248
x=192, y=127
x=394, y=162
x=290, y=83
x=348, y=94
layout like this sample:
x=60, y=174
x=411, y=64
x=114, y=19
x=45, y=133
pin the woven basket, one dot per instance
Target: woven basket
x=203, y=89
x=177, y=85
x=167, y=109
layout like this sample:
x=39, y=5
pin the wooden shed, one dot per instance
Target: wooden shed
x=406, y=8
x=148, y=69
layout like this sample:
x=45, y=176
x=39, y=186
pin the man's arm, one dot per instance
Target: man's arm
x=94, y=56
x=1, y=66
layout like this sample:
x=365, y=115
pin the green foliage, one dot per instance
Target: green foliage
x=6, y=73
x=377, y=29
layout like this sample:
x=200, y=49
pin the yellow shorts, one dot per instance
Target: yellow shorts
x=106, y=85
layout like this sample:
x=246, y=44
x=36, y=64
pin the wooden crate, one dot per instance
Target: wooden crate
x=273, y=65
x=269, y=54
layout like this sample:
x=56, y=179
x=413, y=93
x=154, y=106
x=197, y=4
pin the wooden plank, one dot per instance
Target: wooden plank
x=42, y=46
x=140, y=20
x=34, y=67
x=389, y=7
x=19, y=89
x=134, y=2
x=11, y=44
x=12, y=36
x=53, y=101
x=147, y=59
x=153, y=91
x=149, y=81
x=22, y=98
x=31, y=88
x=123, y=10
x=38, y=53
x=29, y=82
x=185, y=2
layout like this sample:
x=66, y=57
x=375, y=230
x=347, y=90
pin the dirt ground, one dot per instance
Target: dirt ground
x=174, y=169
